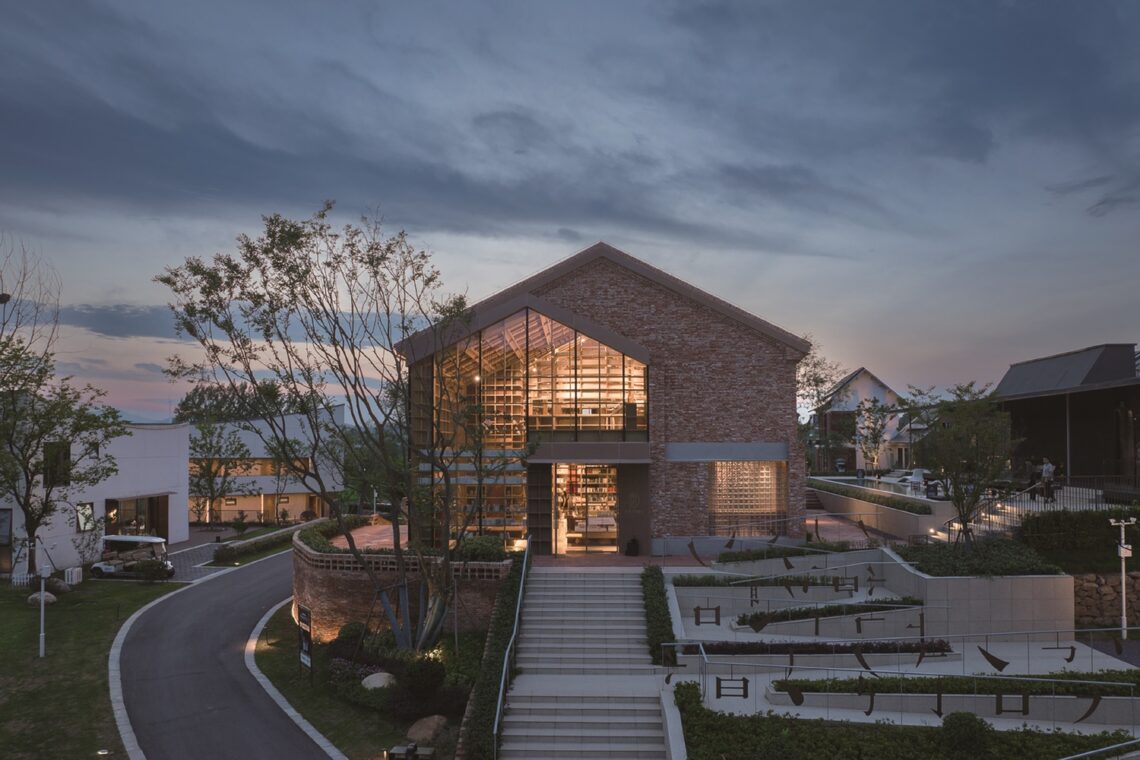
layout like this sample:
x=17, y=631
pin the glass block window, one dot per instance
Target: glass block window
x=748, y=498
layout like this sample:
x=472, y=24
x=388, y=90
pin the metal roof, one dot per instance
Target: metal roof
x=1095, y=366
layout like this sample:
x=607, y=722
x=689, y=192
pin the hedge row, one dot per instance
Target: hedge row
x=967, y=685
x=1077, y=531
x=735, y=581
x=931, y=646
x=658, y=622
x=471, y=549
x=994, y=556
x=711, y=735
x=758, y=620
x=235, y=550
x=776, y=552
x=478, y=729
x=914, y=506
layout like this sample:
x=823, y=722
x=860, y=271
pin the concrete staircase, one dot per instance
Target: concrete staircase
x=587, y=687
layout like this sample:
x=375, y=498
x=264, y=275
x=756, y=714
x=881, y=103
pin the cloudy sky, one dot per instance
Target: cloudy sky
x=932, y=189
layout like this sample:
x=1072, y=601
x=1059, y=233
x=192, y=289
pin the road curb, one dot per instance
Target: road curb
x=278, y=697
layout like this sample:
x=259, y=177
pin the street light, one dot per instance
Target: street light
x=1125, y=551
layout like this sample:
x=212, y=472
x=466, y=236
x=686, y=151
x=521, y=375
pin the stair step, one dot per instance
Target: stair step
x=602, y=710
x=614, y=735
x=585, y=749
x=586, y=700
x=554, y=669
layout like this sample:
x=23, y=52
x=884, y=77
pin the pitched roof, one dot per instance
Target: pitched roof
x=490, y=309
x=1106, y=365
x=846, y=380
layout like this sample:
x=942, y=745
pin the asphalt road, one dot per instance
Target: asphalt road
x=187, y=690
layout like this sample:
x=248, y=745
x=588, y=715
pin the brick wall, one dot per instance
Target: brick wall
x=338, y=591
x=711, y=378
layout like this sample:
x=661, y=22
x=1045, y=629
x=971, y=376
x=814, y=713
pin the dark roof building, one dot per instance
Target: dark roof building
x=646, y=407
x=1078, y=408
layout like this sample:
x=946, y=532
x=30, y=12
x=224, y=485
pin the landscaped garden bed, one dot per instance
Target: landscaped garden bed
x=658, y=623
x=989, y=557
x=711, y=735
x=968, y=685
x=757, y=621
x=902, y=503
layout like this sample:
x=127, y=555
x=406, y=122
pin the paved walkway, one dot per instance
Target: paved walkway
x=190, y=564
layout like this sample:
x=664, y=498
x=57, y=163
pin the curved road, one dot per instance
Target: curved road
x=186, y=687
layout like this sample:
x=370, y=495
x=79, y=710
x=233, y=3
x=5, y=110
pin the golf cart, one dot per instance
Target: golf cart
x=122, y=556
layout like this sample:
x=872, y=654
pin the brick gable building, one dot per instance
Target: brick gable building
x=647, y=408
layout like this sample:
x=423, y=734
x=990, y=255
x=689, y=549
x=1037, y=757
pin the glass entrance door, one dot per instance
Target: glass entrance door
x=585, y=508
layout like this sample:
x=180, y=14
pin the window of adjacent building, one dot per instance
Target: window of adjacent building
x=57, y=464
x=282, y=499
x=84, y=516
x=749, y=498
x=230, y=502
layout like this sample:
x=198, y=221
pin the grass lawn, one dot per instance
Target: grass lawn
x=356, y=731
x=60, y=706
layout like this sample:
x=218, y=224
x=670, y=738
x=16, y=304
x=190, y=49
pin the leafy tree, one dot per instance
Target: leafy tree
x=968, y=450
x=52, y=433
x=919, y=407
x=218, y=457
x=53, y=436
x=871, y=419
x=816, y=376
x=323, y=315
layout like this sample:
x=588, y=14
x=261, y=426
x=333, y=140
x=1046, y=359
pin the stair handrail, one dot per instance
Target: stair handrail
x=504, y=678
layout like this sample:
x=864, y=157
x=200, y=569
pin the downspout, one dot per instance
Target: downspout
x=1068, y=443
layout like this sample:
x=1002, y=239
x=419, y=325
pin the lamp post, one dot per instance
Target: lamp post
x=44, y=572
x=1125, y=551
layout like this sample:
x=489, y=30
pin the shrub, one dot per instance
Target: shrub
x=478, y=729
x=965, y=734
x=758, y=620
x=968, y=685
x=914, y=506
x=711, y=735
x=930, y=646
x=239, y=523
x=994, y=556
x=151, y=570
x=776, y=552
x=658, y=622
x=481, y=549
x=742, y=582
x=422, y=677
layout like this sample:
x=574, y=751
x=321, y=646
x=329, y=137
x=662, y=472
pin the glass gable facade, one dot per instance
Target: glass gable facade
x=521, y=381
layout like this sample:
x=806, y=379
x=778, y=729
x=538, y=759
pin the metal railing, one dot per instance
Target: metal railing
x=1112, y=751
x=509, y=655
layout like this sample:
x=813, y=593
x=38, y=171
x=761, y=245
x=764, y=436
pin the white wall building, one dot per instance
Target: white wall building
x=267, y=496
x=148, y=496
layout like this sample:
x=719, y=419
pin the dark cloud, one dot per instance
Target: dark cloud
x=121, y=320
x=150, y=367
x=1080, y=185
x=569, y=235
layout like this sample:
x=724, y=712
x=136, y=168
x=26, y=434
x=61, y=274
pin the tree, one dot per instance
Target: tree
x=871, y=419
x=919, y=407
x=968, y=449
x=52, y=433
x=218, y=455
x=323, y=314
x=53, y=436
x=816, y=377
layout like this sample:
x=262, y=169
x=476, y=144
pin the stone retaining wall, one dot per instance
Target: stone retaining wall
x=338, y=591
x=1097, y=599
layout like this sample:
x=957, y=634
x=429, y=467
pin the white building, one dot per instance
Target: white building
x=841, y=404
x=148, y=496
x=265, y=493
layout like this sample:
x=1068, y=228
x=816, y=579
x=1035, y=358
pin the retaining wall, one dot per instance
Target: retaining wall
x=338, y=591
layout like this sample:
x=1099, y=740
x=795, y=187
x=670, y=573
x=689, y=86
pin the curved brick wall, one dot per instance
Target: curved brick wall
x=338, y=591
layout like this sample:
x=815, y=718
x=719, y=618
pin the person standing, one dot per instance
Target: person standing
x=1047, y=470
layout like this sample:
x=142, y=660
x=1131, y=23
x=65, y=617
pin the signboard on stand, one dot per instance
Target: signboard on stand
x=305, y=628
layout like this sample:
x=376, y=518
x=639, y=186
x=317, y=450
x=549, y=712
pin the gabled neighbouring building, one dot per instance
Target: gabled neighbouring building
x=834, y=422
x=646, y=408
x=1079, y=409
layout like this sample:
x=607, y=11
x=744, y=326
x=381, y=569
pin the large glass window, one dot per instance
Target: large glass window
x=748, y=498
x=525, y=379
